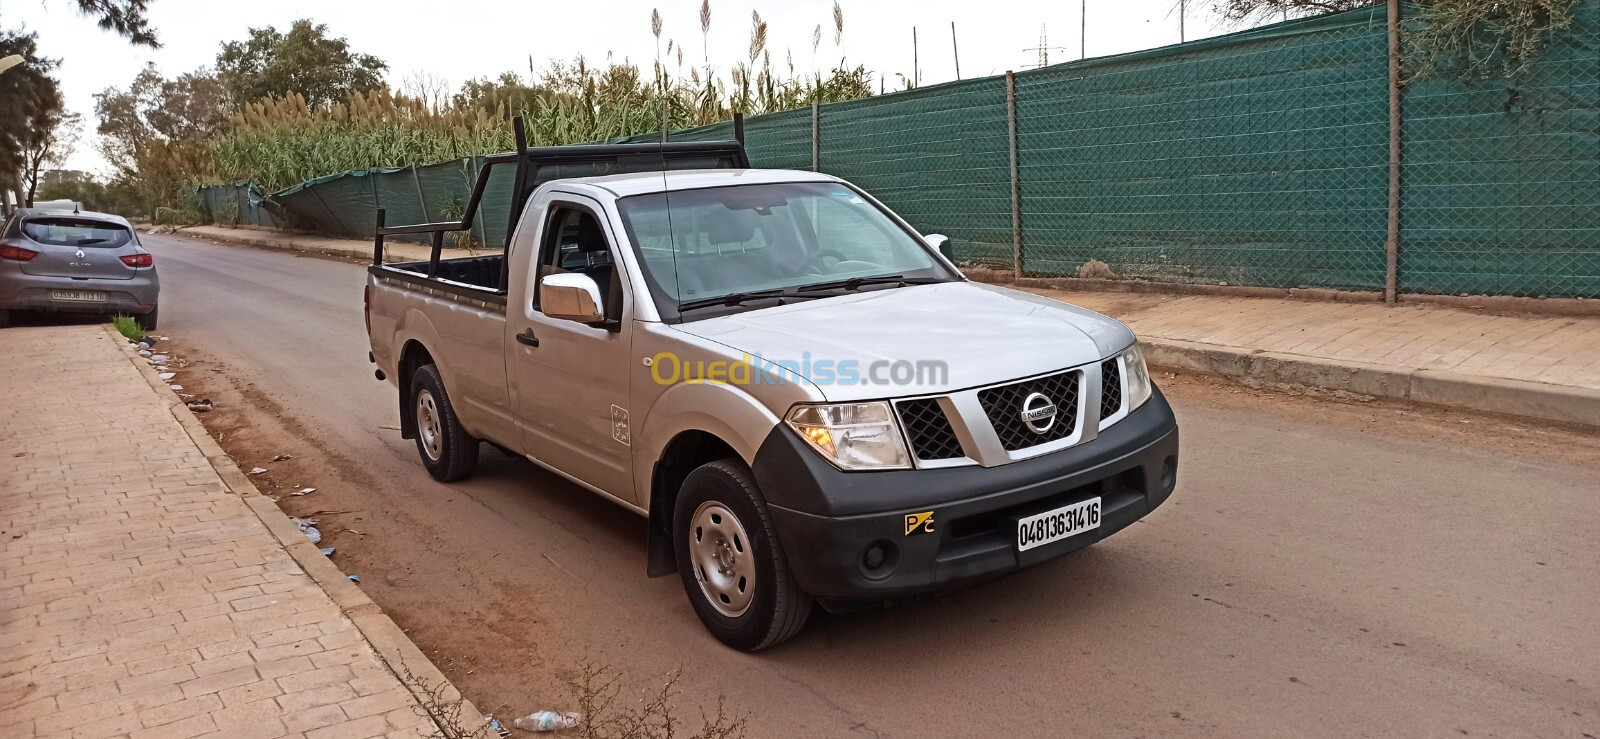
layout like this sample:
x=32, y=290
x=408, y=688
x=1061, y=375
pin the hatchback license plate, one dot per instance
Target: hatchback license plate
x=78, y=295
x=1041, y=529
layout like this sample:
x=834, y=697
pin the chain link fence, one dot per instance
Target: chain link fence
x=1259, y=158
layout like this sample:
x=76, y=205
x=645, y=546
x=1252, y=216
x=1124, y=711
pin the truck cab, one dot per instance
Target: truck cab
x=802, y=394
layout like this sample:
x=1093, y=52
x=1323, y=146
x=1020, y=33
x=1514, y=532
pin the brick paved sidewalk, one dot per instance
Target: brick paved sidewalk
x=138, y=595
x=1554, y=350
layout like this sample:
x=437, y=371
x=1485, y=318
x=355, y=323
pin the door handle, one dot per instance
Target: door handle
x=527, y=337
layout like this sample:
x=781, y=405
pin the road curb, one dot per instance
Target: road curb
x=399, y=654
x=281, y=245
x=1564, y=404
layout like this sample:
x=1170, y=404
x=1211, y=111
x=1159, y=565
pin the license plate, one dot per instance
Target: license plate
x=1041, y=529
x=79, y=295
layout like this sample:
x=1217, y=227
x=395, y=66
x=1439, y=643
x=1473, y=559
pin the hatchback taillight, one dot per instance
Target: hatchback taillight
x=16, y=253
x=138, y=260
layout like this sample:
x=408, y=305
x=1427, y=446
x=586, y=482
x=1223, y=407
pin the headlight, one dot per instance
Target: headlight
x=853, y=436
x=1139, y=389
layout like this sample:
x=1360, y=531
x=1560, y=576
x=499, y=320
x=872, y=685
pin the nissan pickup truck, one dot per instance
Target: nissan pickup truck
x=803, y=395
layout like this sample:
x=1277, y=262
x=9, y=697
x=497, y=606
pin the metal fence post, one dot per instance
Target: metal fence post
x=1016, y=183
x=422, y=199
x=816, y=138
x=1391, y=244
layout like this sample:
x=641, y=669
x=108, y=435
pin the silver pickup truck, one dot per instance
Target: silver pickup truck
x=808, y=400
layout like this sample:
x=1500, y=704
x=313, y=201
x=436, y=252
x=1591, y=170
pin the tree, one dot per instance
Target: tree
x=49, y=144
x=323, y=70
x=123, y=17
x=1266, y=11
x=158, y=133
x=31, y=98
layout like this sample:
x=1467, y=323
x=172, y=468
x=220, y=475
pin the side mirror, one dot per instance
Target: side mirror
x=940, y=243
x=571, y=296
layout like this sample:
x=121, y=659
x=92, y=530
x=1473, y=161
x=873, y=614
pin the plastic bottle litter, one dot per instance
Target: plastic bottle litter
x=548, y=721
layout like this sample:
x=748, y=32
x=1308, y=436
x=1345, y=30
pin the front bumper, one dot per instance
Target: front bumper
x=817, y=509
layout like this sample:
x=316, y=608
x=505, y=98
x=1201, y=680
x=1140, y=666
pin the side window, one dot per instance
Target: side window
x=574, y=241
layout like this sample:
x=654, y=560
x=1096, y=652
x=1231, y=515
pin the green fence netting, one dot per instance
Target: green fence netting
x=1501, y=179
x=242, y=202
x=1258, y=158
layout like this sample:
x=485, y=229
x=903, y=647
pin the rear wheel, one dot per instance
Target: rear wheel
x=447, y=450
x=732, y=564
x=148, y=320
x=5, y=318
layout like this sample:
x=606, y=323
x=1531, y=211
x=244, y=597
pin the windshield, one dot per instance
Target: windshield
x=751, y=238
x=75, y=232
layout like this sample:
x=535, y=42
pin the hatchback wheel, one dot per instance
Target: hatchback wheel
x=447, y=450
x=148, y=320
x=732, y=564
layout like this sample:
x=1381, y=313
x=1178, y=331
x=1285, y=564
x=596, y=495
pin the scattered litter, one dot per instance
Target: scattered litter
x=257, y=471
x=304, y=491
x=548, y=721
x=158, y=359
x=148, y=341
x=329, y=551
x=176, y=388
x=309, y=528
x=161, y=338
x=144, y=352
x=200, y=406
x=354, y=578
x=353, y=531
x=282, y=457
x=168, y=375
x=494, y=726
x=390, y=428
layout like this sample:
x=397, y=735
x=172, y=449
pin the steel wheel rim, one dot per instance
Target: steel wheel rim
x=724, y=564
x=428, y=426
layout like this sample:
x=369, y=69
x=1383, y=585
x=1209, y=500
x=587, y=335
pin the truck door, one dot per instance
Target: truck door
x=569, y=380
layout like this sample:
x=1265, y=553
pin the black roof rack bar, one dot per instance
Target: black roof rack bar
x=527, y=159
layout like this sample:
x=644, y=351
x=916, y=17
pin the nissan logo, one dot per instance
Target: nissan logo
x=1038, y=413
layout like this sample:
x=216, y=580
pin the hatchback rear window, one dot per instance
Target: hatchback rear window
x=76, y=232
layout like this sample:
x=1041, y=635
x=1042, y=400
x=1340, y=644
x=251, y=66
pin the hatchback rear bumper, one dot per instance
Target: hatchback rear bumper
x=136, y=296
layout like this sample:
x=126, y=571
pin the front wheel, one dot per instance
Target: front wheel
x=447, y=450
x=732, y=564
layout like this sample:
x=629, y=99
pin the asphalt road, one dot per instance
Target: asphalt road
x=1323, y=568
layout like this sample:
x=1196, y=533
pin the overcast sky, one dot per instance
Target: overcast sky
x=461, y=39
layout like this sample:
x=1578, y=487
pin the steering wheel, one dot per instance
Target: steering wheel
x=814, y=262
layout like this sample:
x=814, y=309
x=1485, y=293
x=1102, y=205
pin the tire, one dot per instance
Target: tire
x=446, y=449
x=148, y=320
x=733, y=567
x=5, y=318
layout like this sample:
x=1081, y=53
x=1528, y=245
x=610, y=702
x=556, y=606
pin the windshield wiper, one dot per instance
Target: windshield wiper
x=855, y=283
x=733, y=299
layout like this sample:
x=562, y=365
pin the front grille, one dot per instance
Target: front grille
x=1003, y=405
x=930, y=433
x=1110, y=387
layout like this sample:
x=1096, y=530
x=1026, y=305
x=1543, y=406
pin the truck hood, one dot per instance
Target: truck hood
x=848, y=346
